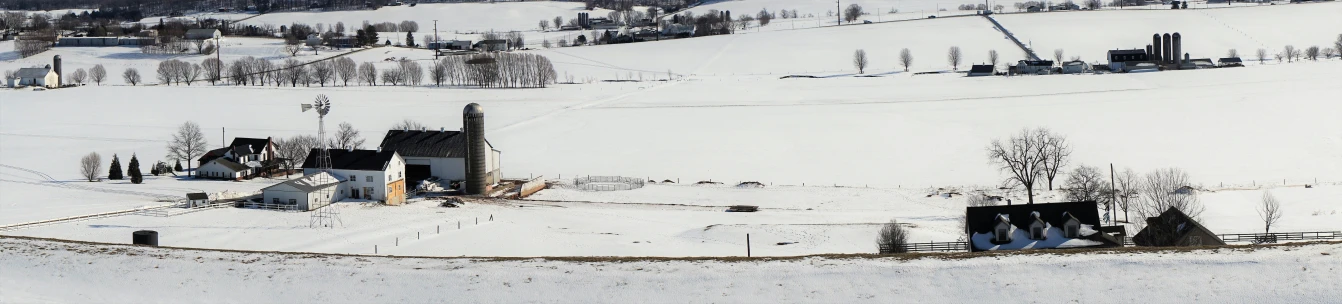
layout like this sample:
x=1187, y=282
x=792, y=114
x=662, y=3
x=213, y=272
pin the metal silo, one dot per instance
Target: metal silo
x=1165, y=54
x=56, y=66
x=1155, y=49
x=474, y=123
x=1178, y=49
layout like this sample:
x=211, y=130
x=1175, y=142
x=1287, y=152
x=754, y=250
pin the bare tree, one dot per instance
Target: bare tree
x=860, y=60
x=1232, y=53
x=558, y=22
x=893, y=236
x=1262, y=55
x=295, y=149
x=192, y=73
x=90, y=166
x=1312, y=53
x=323, y=71
x=213, y=69
x=438, y=72
x=187, y=143
x=1289, y=51
x=79, y=76
x=1056, y=154
x=1269, y=211
x=992, y=59
x=1091, y=4
x=1057, y=56
x=853, y=12
x=905, y=58
x=1085, y=183
x=345, y=69
x=293, y=71
x=131, y=76
x=764, y=17
x=1165, y=188
x=346, y=138
x=1337, y=45
x=98, y=73
x=1022, y=156
x=292, y=46
x=953, y=57
x=368, y=73
x=545, y=25
x=408, y=125
x=1127, y=183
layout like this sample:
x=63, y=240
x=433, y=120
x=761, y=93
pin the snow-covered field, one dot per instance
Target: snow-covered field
x=839, y=154
x=44, y=271
x=454, y=17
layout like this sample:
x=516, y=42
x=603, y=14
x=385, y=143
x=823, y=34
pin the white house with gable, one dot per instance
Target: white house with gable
x=374, y=175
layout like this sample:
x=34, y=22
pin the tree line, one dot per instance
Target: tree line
x=487, y=70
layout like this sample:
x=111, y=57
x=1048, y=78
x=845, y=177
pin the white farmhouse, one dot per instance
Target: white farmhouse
x=364, y=174
x=35, y=77
x=437, y=153
x=306, y=193
x=244, y=158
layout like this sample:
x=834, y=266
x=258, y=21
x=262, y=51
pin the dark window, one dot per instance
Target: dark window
x=353, y=178
x=293, y=201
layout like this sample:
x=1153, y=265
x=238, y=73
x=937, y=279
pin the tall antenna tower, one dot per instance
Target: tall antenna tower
x=325, y=215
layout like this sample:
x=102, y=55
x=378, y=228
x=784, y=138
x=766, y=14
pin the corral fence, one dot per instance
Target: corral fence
x=606, y=183
x=1262, y=238
x=928, y=247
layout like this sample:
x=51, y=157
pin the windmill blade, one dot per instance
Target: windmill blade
x=306, y=107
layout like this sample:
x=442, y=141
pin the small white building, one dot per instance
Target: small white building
x=365, y=174
x=35, y=77
x=199, y=199
x=1075, y=67
x=305, y=193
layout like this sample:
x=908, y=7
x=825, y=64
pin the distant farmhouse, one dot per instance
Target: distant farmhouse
x=35, y=77
x=1036, y=226
x=244, y=158
x=1034, y=67
x=1174, y=228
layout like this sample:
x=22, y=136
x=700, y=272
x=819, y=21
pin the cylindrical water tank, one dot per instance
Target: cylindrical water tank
x=144, y=237
x=476, y=158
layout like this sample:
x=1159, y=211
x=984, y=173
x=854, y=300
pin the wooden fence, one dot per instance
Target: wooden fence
x=1259, y=238
x=929, y=247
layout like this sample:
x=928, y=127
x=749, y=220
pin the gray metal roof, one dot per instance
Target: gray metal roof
x=197, y=196
x=364, y=160
x=33, y=72
x=426, y=143
x=231, y=165
x=310, y=183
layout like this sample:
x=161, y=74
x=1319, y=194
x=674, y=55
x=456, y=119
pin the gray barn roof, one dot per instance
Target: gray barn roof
x=364, y=160
x=310, y=183
x=33, y=72
x=231, y=165
x=197, y=196
x=426, y=143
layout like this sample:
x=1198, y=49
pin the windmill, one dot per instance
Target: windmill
x=324, y=215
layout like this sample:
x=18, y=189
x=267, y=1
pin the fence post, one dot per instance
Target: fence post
x=747, y=245
x=374, y=249
x=398, y=241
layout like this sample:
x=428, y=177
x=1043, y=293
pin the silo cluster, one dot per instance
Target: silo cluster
x=1167, y=48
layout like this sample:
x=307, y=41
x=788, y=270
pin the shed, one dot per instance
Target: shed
x=198, y=199
x=981, y=70
x=306, y=193
x=1229, y=62
x=87, y=41
x=203, y=34
x=1174, y=228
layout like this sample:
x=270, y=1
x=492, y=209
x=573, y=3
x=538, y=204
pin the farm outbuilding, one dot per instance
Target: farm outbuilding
x=981, y=70
x=203, y=34
x=35, y=77
x=88, y=41
x=305, y=194
x=198, y=199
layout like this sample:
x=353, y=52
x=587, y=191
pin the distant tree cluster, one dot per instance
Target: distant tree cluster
x=176, y=71
x=496, y=70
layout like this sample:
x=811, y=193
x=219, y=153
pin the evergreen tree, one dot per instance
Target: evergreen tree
x=134, y=169
x=155, y=169
x=178, y=168
x=410, y=39
x=115, y=172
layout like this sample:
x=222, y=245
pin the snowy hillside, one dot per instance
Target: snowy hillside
x=1206, y=33
x=454, y=17
x=43, y=271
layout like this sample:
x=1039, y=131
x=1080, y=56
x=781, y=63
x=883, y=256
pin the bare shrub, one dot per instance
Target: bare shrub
x=893, y=236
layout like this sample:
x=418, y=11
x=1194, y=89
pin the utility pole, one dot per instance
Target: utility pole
x=1113, y=193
